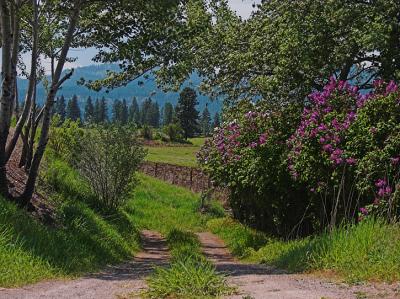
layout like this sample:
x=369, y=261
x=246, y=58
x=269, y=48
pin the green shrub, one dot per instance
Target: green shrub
x=174, y=132
x=64, y=139
x=108, y=159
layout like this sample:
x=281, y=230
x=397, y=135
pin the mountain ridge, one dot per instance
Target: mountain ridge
x=148, y=89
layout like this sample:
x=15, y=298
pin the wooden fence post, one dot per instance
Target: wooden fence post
x=191, y=178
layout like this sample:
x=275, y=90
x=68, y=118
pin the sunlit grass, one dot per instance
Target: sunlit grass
x=162, y=207
x=190, y=275
x=367, y=251
x=83, y=240
x=177, y=155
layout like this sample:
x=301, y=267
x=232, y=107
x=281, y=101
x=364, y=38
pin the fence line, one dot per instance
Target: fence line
x=188, y=177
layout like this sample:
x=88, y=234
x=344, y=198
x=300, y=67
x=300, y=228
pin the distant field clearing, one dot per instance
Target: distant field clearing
x=184, y=155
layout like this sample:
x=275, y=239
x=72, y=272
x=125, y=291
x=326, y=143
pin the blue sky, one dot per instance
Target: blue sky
x=242, y=8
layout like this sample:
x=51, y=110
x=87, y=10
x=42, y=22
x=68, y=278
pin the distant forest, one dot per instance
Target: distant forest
x=141, y=92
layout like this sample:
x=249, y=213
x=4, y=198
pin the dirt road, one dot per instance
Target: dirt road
x=263, y=282
x=114, y=282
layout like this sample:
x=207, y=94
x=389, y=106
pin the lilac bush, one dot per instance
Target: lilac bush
x=345, y=143
x=248, y=154
x=294, y=170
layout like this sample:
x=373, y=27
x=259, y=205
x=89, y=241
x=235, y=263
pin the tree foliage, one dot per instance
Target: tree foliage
x=73, y=111
x=186, y=112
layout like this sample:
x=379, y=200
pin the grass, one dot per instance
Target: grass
x=190, y=275
x=162, y=207
x=84, y=240
x=183, y=155
x=177, y=155
x=369, y=251
x=197, y=141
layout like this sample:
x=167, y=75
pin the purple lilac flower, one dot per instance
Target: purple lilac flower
x=395, y=161
x=351, y=161
x=262, y=139
x=391, y=87
x=380, y=183
x=364, y=211
x=328, y=147
x=253, y=144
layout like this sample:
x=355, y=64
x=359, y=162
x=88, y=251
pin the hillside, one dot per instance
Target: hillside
x=140, y=91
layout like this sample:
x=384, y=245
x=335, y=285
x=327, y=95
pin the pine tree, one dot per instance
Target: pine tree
x=155, y=115
x=89, y=111
x=134, y=112
x=96, y=111
x=206, y=122
x=217, y=121
x=73, y=110
x=124, y=112
x=145, y=112
x=116, y=111
x=102, y=113
x=168, y=114
x=60, y=108
x=186, y=112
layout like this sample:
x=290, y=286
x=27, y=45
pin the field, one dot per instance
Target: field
x=183, y=155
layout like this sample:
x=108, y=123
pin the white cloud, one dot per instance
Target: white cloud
x=243, y=7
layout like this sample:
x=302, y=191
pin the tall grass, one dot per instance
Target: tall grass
x=190, y=275
x=84, y=240
x=367, y=251
x=162, y=207
x=240, y=239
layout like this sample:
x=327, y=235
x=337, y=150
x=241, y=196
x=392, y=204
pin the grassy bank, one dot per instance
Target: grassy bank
x=190, y=275
x=368, y=251
x=84, y=240
x=162, y=207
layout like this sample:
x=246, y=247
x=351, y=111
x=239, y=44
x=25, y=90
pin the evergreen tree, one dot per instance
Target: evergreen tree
x=102, y=113
x=168, y=114
x=116, y=111
x=73, y=110
x=89, y=111
x=155, y=115
x=206, y=122
x=145, y=112
x=60, y=108
x=186, y=112
x=134, y=112
x=217, y=121
x=124, y=112
x=96, y=111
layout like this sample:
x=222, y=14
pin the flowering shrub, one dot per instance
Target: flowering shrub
x=292, y=171
x=374, y=139
x=248, y=154
x=345, y=143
